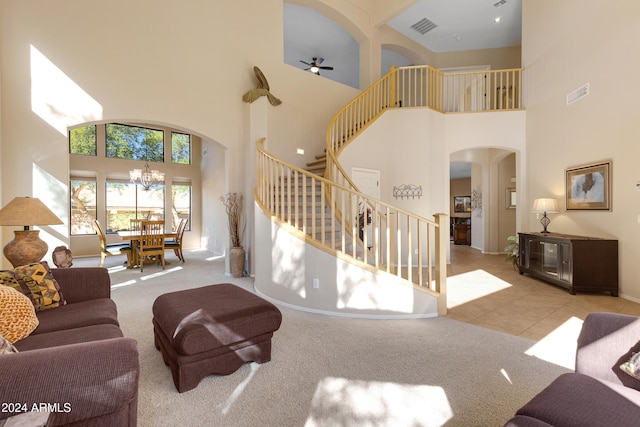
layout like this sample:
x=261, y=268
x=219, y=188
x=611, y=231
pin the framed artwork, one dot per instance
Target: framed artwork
x=589, y=187
x=510, y=198
x=461, y=204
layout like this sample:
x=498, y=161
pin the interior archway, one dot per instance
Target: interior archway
x=491, y=172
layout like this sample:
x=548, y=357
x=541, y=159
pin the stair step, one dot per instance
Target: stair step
x=317, y=170
x=318, y=162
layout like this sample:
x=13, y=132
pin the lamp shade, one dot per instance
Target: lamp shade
x=545, y=205
x=27, y=211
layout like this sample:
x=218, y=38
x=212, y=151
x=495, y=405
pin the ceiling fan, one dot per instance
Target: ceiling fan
x=314, y=66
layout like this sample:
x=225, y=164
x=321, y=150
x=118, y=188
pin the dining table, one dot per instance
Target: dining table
x=134, y=236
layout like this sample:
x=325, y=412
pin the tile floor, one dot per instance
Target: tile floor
x=486, y=290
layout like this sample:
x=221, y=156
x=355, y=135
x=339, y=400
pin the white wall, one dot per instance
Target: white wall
x=603, y=125
x=414, y=146
x=182, y=64
x=286, y=270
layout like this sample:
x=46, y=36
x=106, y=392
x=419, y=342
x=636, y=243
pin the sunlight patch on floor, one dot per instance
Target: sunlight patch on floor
x=123, y=284
x=559, y=346
x=240, y=388
x=160, y=273
x=341, y=401
x=466, y=287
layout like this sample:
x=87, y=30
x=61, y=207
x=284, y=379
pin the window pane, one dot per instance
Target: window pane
x=121, y=206
x=181, y=148
x=83, y=207
x=127, y=201
x=83, y=140
x=181, y=205
x=136, y=143
x=151, y=202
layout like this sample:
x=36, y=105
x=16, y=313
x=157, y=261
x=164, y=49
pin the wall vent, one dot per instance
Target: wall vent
x=581, y=92
x=500, y=3
x=423, y=26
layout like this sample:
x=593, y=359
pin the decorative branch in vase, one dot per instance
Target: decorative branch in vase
x=234, y=205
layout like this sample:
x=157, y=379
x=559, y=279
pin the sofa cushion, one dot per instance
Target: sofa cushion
x=86, y=313
x=69, y=336
x=579, y=400
x=17, y=315
x=523, y=421
x=36, y=282
x=6, y=347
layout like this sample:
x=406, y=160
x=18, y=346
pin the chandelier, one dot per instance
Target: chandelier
x=146, y=177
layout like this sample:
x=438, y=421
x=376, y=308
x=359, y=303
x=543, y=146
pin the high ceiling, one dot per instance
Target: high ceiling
x=459, y=25
x=452, y=25
x=455, y=25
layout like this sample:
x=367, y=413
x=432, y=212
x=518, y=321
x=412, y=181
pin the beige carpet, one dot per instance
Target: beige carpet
x=328, y=371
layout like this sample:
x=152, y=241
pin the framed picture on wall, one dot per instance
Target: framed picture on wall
x=589, y=187
x=510, y=198
x=461, y=204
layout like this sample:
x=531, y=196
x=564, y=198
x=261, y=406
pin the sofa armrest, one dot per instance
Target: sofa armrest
x=83, y=283
x=606, y=341
x=77, y=382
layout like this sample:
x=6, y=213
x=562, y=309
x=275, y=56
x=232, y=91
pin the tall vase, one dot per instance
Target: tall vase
x=236, y=261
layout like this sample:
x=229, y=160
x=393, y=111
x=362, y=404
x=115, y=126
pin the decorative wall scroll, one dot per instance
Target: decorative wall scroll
x=407, y=190
x=476, y=201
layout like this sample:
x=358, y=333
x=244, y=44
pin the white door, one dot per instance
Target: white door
x=367, y=181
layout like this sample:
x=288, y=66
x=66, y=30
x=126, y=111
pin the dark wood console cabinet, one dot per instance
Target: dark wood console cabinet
x=462, y=231
x=576, y=263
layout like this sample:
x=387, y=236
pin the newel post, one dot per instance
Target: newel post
x=392, y=86
x=442, y=240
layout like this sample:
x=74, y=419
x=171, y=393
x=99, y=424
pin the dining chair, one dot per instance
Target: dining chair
x=135, y=224
x=176, y=242
x=109, y=249
x=151, y=242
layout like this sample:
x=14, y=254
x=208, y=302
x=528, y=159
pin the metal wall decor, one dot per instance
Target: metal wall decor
x=407, y=190
x=476, y=201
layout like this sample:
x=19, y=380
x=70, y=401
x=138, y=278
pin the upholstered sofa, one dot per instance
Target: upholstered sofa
x=600, y=392
x=76, y=364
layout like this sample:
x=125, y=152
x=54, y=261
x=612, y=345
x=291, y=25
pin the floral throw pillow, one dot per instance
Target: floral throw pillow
x=632, y=366
x=6, y=347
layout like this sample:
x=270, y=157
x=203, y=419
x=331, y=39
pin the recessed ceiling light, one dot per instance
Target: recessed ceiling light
x=497, y=19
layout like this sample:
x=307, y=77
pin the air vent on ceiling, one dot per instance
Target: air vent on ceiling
x=423, y=26
x=500, y=3
x=581, y=92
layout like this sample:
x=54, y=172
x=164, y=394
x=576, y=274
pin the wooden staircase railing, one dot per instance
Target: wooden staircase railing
x=326, y=215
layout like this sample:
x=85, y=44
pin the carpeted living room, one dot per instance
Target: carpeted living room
x=546, y=125
x=329, y=371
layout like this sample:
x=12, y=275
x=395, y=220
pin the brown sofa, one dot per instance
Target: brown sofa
x=76, y=364
x=599, y=392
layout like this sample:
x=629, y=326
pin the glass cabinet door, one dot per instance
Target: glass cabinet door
x=543, y=256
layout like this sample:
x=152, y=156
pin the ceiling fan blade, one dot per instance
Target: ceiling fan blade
x=305, y=63
x=319, y=61
x=326, y=68
x=307, y=69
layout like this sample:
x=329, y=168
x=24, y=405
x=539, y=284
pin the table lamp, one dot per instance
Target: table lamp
x=546, y=206
x=26, y=247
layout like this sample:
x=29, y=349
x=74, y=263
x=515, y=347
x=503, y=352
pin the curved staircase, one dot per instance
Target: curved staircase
x=311, y=217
